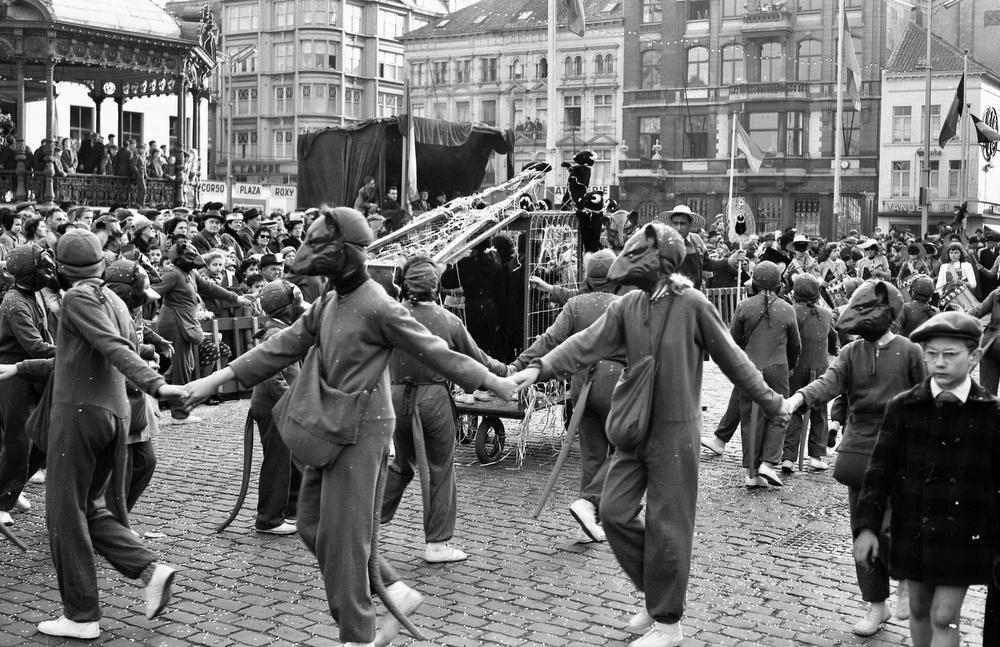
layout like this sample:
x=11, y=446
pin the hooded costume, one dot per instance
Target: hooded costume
x=590, y=220
x=577, y=180
x=656, y=554
x=354, y=329
x=870, y=371
x=24, y=335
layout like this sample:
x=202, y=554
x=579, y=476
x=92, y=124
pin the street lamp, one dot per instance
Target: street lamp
x=231, y=63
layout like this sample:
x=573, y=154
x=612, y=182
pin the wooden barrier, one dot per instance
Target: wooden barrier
x=239, y=333
x=725, y=300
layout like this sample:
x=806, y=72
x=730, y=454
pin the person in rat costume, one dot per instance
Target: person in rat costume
x=423, y=405
x=84, y=495
x=24, y=335
x=656, y=552
x=347, y=339
x=577, y=180
x=870, y=371
x=590, y=220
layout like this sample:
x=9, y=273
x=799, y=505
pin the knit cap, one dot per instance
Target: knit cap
x=79, y=255
x=421, y=277
x=767, y=276
x=597, y=266
x=21, y=261
x=805, y=288
x=275, y=296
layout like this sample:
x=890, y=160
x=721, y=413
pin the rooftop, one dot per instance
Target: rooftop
x=504, y=15
x=910, y=55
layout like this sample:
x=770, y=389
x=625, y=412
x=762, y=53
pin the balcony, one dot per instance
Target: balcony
x=653, y=97
x=96, y=190
x=766, y=19
x=769, y=91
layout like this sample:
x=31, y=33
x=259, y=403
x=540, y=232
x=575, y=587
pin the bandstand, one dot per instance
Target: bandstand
x=118, y=50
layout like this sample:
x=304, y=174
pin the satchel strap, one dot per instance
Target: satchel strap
x=666, y=318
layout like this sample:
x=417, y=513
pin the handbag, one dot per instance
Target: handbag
x=316, y=420
x=627, y=425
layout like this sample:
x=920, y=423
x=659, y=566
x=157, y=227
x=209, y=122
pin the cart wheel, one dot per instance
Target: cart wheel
x=465, y=431
x=489, y=439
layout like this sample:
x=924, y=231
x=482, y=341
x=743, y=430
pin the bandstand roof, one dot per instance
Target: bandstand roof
x=132, y=16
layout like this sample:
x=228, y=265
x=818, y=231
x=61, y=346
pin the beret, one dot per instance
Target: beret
x=949, y=324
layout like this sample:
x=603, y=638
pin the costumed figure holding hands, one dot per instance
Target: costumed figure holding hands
x=664, y=329
x=337, y=418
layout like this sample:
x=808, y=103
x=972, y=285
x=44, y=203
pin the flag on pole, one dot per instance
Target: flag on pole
x=576, y=18
x=984, y=133
x=410, y=193
x=853, y=68
x=950, y=126
x=749, y=148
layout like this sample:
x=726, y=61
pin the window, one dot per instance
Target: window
x=807, y=213
x=732, y=7
x=439, y=69
x=132, y=126
x=764, y=128
x=935, y=119
x=652, y=72
x=572, y=112
x=242, y=17
x=352, y=102
x=284, y=57
x=900, y=179
x=901, y=123
x=488, y=70
x=245, y=101
x=769, y=209
x=245, y=142
x=649, y=134
x=283, y=140
x=417, y=71
x=698, y=9
x=463, y=71
x=542, y=71
x=695, y=145
x=81, y=123
x=573, y=66
x=732, y=65
x=954, y=178
x=352, y=59
x=353, y=17
x=284, y=14
x=463, y=111
x=652, y=11
x=599, y=65
x=332, y=100
x=794, y=129
x=439, y=110
x=541, y=109
x=516, y=70
x=284, y=100
x=809, y=65
x=935, y=179
x=319, y=54
x=319, y=12
x=810, y=5
x=389, y=105
x=390, y=66
x=697, y=66
x=604, y=110
x=247, y=65
x=489, y=116
x=772, y=62
x=391, y=24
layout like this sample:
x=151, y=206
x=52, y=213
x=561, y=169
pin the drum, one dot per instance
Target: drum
x=838, y=295
x=958, y=296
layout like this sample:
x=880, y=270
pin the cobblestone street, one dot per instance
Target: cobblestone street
x=770, y=568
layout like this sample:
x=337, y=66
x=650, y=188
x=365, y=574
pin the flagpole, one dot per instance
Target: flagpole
x=551, y=96
x=838, y=135
x=963, y=129
x=732, y=171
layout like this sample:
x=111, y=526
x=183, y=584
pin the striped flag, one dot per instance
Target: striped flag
x=749, y=148
x=984, y=133
x=576, y=18
x=950, y=126
x=853, y=68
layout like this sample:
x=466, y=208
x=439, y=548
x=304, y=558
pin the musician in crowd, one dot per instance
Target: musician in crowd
x=915, y=263
x=874, y=264
x=956, y=271
x=802, y=261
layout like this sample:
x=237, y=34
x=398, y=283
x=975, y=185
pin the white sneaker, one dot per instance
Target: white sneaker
x=284, y=529
x=713, y=444
x=22, y=503
x=158, y=590
x=769, y=474
x=878, y=613
x=585, y=514
x=6, y=519
x=371, y=644
x=640, y=622
x=406, y=600
x=902, y=601
x=754, y=481
x=38, y=478
x=185, y=421
x=581, y=537
x=817, y=464
x=787, y=467
x=661, y=635
x=66, y=628
x=465, y=398
x=441, y=553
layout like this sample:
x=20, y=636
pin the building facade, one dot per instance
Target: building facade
x=314, y=64
x=489, y=63
x=902, y=137
x=695, y=65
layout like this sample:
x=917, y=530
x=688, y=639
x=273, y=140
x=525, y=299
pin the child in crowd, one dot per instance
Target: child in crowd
x=937, y=463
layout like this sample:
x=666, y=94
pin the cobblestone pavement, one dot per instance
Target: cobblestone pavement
x=770, y=568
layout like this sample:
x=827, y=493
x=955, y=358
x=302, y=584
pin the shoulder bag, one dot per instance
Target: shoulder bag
x=632, y=400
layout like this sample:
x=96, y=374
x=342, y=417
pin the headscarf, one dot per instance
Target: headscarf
x=420, y=280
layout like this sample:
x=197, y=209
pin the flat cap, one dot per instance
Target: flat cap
x=949, y=324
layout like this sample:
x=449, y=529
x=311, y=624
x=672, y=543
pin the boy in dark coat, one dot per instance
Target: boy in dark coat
x=937, y=462
x=919, y=310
